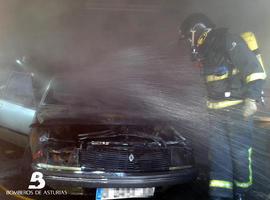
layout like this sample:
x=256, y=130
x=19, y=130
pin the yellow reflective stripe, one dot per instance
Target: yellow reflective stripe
x=211, y=78
x=223, y=104
x=259, y=57
x=221, y=184
x=249, y=183
x=255, y=76
x=243, y=185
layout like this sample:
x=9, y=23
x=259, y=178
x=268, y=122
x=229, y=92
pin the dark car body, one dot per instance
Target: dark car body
x=80, y=145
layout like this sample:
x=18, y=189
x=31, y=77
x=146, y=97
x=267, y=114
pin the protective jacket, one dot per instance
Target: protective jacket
x=231, y=70
x=232, y=73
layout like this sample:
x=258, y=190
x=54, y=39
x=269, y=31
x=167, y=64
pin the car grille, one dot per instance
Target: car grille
x=125, y=159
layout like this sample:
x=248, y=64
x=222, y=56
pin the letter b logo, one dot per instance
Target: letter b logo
x=37, y=177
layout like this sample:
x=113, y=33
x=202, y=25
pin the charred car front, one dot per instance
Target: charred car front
x=79, y=145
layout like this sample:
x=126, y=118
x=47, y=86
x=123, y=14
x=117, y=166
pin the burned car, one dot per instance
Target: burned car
x=79, y=140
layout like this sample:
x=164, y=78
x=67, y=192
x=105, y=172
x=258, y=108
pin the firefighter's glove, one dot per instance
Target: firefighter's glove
x=250, y=108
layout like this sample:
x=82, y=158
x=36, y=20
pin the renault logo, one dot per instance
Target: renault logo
x=131, y=157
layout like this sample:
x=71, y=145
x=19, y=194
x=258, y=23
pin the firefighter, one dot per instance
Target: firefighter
x=233, y=77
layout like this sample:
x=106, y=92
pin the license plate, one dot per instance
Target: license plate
x=123, y=193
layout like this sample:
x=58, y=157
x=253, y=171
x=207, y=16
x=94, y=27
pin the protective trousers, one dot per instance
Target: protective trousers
x=230, y=152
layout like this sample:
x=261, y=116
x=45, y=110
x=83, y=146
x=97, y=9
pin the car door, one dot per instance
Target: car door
x=17, y=107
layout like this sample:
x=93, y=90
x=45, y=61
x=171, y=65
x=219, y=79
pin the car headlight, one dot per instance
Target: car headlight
x=65, y=156
x=181, y=157
x=49, y=150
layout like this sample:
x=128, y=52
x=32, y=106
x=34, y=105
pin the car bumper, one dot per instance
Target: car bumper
x=95, y=179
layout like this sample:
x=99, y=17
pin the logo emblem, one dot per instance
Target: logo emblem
x=131, y=157
x=37, y=177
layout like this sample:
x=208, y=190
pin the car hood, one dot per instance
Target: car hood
x=48, y=114
x=61, y=116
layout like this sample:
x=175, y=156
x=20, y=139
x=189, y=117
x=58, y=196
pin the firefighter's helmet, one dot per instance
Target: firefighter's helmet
x=195, y=29
x=195, y=22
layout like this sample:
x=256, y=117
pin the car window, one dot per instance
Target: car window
x=19, y=89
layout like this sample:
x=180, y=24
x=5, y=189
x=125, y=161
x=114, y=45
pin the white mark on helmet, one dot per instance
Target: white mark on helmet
x=234, y=44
